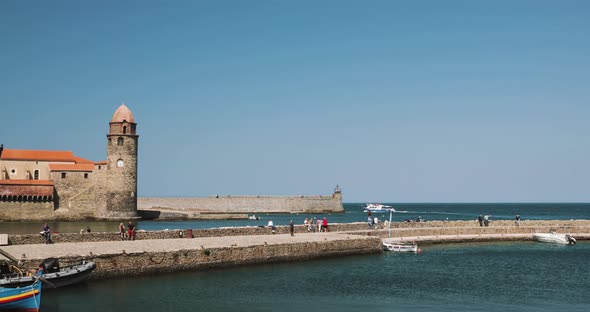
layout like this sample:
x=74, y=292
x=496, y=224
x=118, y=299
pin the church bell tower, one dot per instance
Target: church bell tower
x=121, y=176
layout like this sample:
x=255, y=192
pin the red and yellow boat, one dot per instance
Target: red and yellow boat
x=27, y=298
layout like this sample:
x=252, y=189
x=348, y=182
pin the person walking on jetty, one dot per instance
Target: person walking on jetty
x=486, y=220
x=122, y=231
x=480, y=220
x=517, y=220
x=319, y=225
x=325, y=225
x=313, y=224
x=291, y=227
x=131, y=231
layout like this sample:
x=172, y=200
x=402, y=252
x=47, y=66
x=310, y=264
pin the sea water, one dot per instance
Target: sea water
x=506, y=276
x=353, y=212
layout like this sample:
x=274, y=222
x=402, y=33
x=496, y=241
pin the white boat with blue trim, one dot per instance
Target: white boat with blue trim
x=377, y=208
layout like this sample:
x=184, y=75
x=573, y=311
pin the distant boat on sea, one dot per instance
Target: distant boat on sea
x=377, y=208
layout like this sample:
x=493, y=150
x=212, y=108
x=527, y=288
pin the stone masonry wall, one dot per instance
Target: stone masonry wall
x=141, y=263
x=19, y=211
x=77, y=195
x=121, y=182
x=246, y=204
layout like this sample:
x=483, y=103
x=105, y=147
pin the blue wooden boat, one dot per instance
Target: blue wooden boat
x=27, y=298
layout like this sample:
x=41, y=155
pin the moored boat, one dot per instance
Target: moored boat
x=555, y=238
x=400, y=247
x=55, y=275
x=26, y=298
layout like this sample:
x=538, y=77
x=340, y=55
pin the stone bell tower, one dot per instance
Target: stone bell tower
x=121, y=175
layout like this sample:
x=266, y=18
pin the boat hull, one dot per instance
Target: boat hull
x=66, y=276
x=554, y=238
x=400, y=247
x=27, y=298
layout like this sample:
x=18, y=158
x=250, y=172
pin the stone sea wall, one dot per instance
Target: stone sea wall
x=18, y=211
x=142, y=263
x=399, y=229
x=245, y=204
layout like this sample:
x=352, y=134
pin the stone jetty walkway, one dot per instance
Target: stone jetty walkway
x=93, y=249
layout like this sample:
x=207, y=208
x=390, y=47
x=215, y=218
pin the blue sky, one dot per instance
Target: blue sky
x=398, y=101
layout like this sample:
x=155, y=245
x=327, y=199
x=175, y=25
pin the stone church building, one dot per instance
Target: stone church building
x=58, y=185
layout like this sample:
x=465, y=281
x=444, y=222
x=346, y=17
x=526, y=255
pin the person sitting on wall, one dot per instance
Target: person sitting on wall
x=131, y=231
x=46, y=233
x=272, y=227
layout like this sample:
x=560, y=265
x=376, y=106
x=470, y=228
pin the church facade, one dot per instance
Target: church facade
x=58, y=185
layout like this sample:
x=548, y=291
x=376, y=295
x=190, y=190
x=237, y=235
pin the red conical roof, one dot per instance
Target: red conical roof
x=123, y=114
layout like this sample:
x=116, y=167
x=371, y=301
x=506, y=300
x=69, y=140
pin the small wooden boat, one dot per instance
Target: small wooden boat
x=26, y=298
x=400, y=247
x=55, y=275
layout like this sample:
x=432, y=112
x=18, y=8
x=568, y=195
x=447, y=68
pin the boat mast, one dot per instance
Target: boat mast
x=390, y=213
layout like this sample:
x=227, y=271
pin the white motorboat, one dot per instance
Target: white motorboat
x=377, y=208
x=400, y=247
x=554, y=238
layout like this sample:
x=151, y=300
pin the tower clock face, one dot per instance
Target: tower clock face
x=120, y=163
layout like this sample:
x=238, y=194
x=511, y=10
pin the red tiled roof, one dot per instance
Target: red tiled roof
x=14, y=154
x=26, y=182
x=103, y=162
x=80, y=160
x=35, y=155
x=71, y=167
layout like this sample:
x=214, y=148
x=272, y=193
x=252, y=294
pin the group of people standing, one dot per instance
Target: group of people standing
x=311, y=224
x=373, y=222
x=316, y=225
x=485, y=220
x=128, y=234
x=125, y=233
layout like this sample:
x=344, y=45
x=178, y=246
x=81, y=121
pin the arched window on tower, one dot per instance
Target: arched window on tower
x=120, y=141
x=36, y=174
x=124, y=129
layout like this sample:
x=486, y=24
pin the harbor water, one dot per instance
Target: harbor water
x=353, y=213
x=507, y=276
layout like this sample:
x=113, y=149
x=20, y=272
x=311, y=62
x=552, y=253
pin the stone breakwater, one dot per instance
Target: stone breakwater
x=142, y=257
x=202, y=207
x=165, y=251
x=398, y=229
